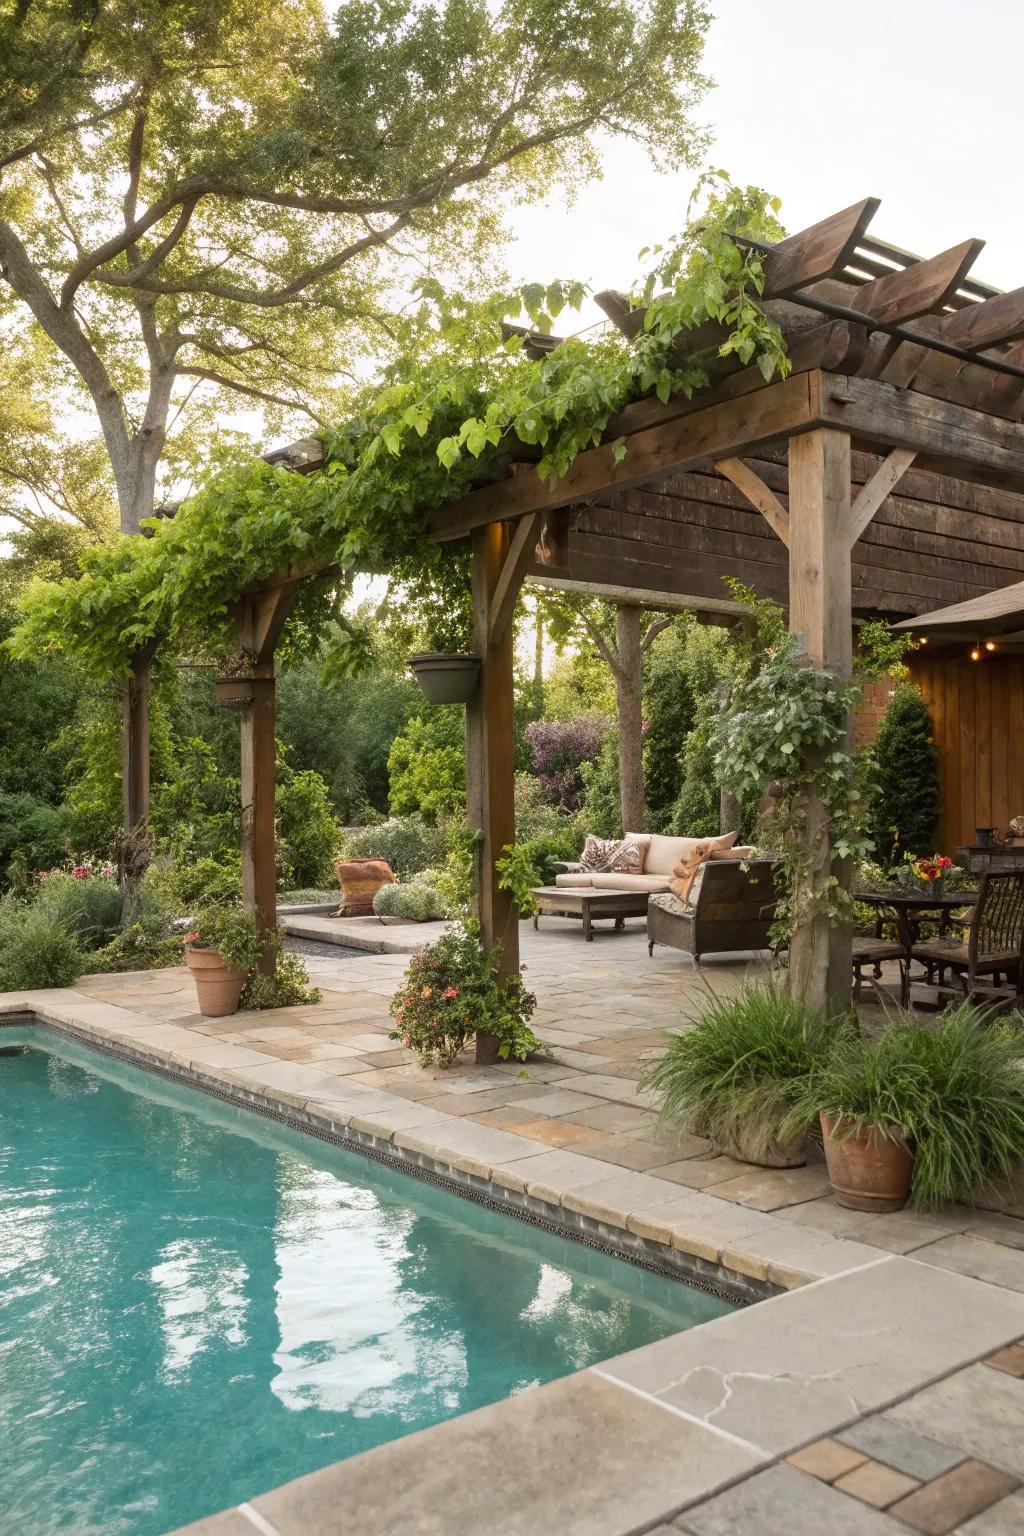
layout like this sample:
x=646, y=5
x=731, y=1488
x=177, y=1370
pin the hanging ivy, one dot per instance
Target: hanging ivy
x=443, y=420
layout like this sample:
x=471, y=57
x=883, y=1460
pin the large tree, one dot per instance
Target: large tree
x=204, y=198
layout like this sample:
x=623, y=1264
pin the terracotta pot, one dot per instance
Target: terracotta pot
x=219, y=986
x=360, y=880
x=871, y=1172
x=762, y=1147
x=446, y=677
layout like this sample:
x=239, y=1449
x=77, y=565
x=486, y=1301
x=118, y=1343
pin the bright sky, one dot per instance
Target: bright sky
x=917, y=102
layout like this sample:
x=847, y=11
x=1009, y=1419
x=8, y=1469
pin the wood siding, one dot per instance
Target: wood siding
x=936, y=541
x=977, y=711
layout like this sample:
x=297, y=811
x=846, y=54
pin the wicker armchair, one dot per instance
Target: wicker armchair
x=995, y=941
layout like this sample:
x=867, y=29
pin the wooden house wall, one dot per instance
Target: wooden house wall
x=977, y=711
x=938, y=541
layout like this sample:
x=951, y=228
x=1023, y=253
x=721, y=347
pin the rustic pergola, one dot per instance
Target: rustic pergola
x=904, y=373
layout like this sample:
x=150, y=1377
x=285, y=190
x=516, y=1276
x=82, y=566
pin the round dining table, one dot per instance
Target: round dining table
x=910, y=906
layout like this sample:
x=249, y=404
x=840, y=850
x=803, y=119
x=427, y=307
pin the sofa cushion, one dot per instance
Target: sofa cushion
x=574, y=882
x=613, y=882
x=664, y=853
x=617, y=855
x=733, y=853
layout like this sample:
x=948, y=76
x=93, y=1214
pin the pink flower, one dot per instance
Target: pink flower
x=427, y=991
x=81, y=871
x=450, y=992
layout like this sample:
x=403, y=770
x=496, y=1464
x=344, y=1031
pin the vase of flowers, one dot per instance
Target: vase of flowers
x=931, y=871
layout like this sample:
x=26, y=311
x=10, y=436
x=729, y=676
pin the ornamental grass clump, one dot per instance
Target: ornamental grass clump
x=953, y=1091
x=450, y=992
x=736, y=1072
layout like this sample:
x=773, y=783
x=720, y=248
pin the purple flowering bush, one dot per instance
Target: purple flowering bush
x=559, y=749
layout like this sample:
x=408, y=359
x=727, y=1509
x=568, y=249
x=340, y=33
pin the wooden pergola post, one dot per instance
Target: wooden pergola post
x=499, y=564
x=259, y=620
x=820, y=613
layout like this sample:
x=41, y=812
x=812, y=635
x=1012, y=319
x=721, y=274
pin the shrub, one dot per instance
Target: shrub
x=180, y=885
x=416, y=901
x=449, y=992
x=559, y=749
x=427, y=766
x=746, y=1057
x=289, y=987
x=407, y=843
x=139, y=947
x=37, y=949
x=668, y=711
x=602, y=811
x=904, y=778
x=89, y=906
x=306, y=827
x=537, y=820
x=33, y=835
x=955, y=1091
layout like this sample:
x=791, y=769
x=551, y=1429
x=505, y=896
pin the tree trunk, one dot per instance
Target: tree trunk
x=629, y=685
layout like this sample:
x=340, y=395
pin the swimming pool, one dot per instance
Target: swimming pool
x=197, y=1304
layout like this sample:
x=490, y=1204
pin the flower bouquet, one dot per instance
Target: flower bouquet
x=931, y=871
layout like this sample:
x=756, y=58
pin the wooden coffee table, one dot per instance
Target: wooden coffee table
x=586, y=903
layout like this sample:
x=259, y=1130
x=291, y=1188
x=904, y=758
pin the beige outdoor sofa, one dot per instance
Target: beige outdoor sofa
x=660, y=855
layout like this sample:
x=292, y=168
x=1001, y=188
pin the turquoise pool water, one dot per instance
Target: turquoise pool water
x=196, y=1304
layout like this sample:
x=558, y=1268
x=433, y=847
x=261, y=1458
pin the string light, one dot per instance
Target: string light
x=990, y=645
x=923, y=640
x=975, y=653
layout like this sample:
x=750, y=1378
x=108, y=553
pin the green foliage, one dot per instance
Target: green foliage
x=138, y=947
x=449, y=992
x=37, y=948
x=537, y=821
x=90, y=908
x=309, y=836
x=37, y=835
x=904, y=778
x=407, y=843
x=456, y=875
x=601, y=813
x=697, y=808
x=954, y=1090
x=427, y=765
x=415, y=901
x=289, y=987
x=519, y=871
x=444, y=420
x=745, y=1060
x=229, y=930
x=669, y=715
x=182, y=886
x=345, y=732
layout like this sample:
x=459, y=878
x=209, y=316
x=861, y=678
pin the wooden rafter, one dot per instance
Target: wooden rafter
x=758, y=494
x=816, y=253
x=919, y=289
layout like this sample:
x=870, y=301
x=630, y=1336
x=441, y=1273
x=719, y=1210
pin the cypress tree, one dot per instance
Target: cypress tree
x=904, y=778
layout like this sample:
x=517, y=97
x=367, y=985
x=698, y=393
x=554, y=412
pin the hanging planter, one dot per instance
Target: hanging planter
x=446, y=677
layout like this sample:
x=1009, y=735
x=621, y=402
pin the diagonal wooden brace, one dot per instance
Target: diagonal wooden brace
x=882, y=483
x=758, y=494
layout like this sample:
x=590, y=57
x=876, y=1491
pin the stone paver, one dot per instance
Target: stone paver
x=876, y=1485
x=884, y=1439
x=807, y=1364
x=784, y=1502
x=1003, y=1519
x=827, y=1459
x=941, y=1506
x=980, y=1411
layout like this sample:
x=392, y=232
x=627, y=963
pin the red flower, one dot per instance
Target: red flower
x=192, y=938
x=450, y=992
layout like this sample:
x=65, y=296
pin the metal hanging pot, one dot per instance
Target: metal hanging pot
x=446, y=677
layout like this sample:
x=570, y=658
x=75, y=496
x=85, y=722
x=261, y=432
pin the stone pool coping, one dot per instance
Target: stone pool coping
x=632, y=1442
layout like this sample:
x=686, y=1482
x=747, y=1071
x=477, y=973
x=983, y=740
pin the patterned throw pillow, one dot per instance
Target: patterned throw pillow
x=612, y=855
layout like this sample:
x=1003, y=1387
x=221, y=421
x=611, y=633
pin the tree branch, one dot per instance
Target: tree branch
x=266, y=395
x=651, y=633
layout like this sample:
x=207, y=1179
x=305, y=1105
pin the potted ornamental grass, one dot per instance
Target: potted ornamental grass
x=736, y=1072
x=928, y=1112
x=222, y=948
x=450, y=992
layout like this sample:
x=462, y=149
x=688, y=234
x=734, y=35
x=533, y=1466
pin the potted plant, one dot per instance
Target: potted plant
x=933, y=1112
x=450, y=991
x=446, y=677
x=222, y=947
x=736, y=1073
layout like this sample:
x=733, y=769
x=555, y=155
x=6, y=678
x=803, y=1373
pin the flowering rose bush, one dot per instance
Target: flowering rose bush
x=449, y=992
x=559, y=748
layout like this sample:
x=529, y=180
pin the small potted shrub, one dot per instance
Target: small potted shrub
x=936, y=1112
x=221, y=948
x=449, y=993
x=736, y=1073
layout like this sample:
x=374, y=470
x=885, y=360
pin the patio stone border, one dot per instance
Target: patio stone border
x=462, y=1176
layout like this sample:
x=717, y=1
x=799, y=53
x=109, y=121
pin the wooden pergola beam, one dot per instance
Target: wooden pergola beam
x=732, y=427
x=919, y=289
x=821, y=251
